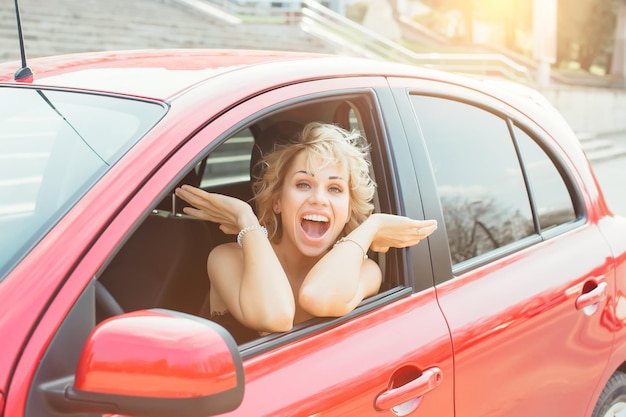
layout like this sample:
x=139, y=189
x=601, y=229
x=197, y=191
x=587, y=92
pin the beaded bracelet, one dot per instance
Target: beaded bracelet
x=249, y=229
x=345, y=239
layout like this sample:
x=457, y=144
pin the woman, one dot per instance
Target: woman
x=304, y=253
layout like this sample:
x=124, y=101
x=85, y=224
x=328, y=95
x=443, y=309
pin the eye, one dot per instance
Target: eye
x=335, y=189
x=303, y=185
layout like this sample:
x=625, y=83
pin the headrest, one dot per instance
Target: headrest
x=279, y=133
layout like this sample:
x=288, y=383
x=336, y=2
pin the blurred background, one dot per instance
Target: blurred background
x=572, y=51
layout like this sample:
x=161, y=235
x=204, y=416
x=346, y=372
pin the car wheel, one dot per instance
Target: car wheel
x=612, y=401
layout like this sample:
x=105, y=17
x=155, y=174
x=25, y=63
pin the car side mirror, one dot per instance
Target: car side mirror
x=153, y=363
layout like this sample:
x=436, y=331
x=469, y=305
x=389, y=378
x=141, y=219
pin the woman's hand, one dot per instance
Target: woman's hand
x=230, y=213
x=394, y=231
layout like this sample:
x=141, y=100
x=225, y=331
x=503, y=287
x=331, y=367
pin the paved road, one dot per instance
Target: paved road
x=611, y=174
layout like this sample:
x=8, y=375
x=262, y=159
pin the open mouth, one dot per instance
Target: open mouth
x=315, y=225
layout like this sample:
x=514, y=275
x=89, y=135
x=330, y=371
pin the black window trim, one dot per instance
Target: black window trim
x=557, y=160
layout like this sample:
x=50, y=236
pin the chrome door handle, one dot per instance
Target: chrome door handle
x=427, y=381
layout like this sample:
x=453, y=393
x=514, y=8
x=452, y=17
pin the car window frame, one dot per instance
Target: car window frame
x=373, y=115
x=383, y=166
x=443, y=267
x=539, y=235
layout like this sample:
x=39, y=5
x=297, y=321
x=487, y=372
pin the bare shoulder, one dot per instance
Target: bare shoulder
x=371, y=267
x=372, y=277
x=227, y=249
x=225, y=257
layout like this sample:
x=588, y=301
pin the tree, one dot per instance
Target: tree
x=618, y=61
x=585, y=31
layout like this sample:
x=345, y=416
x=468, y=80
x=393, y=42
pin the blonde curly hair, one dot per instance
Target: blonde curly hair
x=331, y=145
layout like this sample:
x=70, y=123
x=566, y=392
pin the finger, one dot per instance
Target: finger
x=196, y=199
x=426, y=224
x=185, y=195
x=425, y=231
x=192, y=192
x=198, y=214
x=379, y=249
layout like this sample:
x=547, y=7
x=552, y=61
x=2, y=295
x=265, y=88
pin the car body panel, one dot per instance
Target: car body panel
x=514, y=321
x=327, y=374
x=517, y=316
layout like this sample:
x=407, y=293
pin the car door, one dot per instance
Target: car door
x=526, y=278
x=391, y=356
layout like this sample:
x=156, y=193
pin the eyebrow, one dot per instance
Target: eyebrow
x=332, y=177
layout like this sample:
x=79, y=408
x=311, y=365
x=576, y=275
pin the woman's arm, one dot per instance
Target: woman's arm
x=245, y=277
x=343, y=277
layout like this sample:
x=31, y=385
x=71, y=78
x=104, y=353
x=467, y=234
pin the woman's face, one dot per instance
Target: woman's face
x=314, y=205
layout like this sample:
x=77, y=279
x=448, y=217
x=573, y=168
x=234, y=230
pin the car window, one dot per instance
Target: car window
x=229, y=163
x=488, y=196
x=163, y=263
x=551, y=197
x=479, y=178
x=54, y=146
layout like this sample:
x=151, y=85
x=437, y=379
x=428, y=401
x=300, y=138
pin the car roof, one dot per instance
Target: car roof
x=163, y=74
x=157, y=74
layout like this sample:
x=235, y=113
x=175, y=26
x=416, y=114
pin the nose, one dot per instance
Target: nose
x=318, y=196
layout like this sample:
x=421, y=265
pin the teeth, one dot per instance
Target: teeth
x=316, y=218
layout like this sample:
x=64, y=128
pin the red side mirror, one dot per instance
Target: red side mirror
x=156, y=363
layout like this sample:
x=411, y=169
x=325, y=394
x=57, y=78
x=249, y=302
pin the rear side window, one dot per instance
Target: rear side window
x=484, y=189
x=550, y=194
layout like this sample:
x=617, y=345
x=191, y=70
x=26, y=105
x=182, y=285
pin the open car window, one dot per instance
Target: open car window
x=163, y=263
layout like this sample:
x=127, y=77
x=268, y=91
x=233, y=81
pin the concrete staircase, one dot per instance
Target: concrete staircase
x=603, y=147
x=54, y=27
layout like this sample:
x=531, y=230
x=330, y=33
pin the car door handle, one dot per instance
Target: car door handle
x=427, y=381
x=588, y=302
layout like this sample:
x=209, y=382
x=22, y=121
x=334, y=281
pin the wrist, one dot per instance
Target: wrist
x=247, y=219
x=367, y=230
x=247, y=229
x=352, y=241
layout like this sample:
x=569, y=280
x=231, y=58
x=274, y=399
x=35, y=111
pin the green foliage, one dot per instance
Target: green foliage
x=585, y=28
x=585, y=32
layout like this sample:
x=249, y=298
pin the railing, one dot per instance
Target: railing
x=323, y=21
x=287, y=11
x=358, y=40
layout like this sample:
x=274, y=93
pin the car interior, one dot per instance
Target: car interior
x=163, y=263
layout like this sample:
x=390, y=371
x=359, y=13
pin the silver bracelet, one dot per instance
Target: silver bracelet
x=345, y=239
x=249, y=229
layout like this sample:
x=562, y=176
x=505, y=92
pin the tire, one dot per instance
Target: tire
x=612, y=401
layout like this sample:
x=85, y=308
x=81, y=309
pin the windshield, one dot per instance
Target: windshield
x=54, y=146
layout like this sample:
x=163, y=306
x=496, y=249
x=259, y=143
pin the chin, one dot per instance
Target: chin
x=316, y=251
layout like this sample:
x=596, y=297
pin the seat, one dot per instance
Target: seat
x=163, y=264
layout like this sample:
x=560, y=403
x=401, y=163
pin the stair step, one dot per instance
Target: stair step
x=54, y=27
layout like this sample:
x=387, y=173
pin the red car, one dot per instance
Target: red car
x=514, y=307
